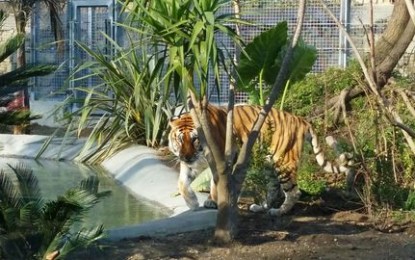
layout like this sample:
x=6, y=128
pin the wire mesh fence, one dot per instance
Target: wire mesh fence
x=87, y=23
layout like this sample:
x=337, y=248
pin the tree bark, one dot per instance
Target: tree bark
x=23, y=95
x=393, y=31
x=388, y=64
x=389, y=49
x=227, y=218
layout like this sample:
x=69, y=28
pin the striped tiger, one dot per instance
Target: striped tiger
x=286, y=135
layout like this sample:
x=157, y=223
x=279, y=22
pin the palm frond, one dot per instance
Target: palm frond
x=72, y=204
x=8, y=192
x=11, y=45
x=17, y=117
x=25, y=72
x=27, y=183
x=81, y=239
x=59, y=215
x=29, y=193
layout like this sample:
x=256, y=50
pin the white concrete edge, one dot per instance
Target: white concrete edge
x=138, y=169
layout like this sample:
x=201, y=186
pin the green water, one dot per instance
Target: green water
x=119, y=209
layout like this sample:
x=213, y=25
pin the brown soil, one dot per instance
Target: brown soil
x=310, y=232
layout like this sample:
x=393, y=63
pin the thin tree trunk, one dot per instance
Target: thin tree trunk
x=21, y=22
x=22, y=96
x=227, y=218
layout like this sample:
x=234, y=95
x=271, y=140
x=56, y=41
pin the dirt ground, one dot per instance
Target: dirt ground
x=309, y=232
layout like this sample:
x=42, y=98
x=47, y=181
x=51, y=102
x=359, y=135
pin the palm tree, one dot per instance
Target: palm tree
x=14, y=81
x=31, y=228
x=22, y=10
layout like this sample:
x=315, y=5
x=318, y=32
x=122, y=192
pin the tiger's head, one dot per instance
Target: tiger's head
x=184, y=141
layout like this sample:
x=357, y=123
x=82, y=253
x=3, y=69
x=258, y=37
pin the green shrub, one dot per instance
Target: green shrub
x=385, y=190
x=410, y=201
x=256, y=180
x=304, y=95
x=311, y=186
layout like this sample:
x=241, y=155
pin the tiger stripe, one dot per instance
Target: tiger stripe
x=286, y=133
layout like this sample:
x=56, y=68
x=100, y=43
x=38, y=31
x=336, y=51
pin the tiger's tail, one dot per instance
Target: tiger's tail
x=343, y=163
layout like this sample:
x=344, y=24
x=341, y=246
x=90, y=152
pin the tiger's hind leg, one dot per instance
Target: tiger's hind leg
x=292, y=194
x=273, y=190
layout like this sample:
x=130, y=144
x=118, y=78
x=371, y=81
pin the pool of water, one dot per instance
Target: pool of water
x=119, y=209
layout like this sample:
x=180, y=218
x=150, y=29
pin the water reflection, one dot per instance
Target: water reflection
x=121, y=208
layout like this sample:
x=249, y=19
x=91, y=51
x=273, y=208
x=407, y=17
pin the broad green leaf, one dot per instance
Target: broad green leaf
x=304, y=57
x=261, y=54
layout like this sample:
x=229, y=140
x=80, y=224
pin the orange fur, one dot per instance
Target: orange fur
x=284, y=132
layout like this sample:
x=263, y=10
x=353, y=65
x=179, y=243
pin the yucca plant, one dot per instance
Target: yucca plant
x=13, y=81
x=31, y=228
x=189, y=31
x=174, y=49
x=132, y=99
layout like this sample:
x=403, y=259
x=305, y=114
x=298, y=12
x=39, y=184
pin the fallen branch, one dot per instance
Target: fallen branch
x=341, y=105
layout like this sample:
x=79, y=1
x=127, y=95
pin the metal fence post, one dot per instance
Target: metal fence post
x=345, y=20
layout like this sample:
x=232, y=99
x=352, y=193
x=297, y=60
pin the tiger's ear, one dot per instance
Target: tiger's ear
x=173, y=120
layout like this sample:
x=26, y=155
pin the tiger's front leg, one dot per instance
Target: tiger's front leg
x=185, y=179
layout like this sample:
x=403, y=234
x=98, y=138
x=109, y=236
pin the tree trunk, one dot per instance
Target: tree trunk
x=393, y=31
x=21, y=21
x=385, y=68
x=214, y=138
x=227, y=218
x=389, y=49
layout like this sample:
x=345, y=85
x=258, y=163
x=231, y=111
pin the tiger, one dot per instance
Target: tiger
x=286, y=135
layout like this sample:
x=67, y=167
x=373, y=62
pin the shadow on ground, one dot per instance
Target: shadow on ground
x=307, y=233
